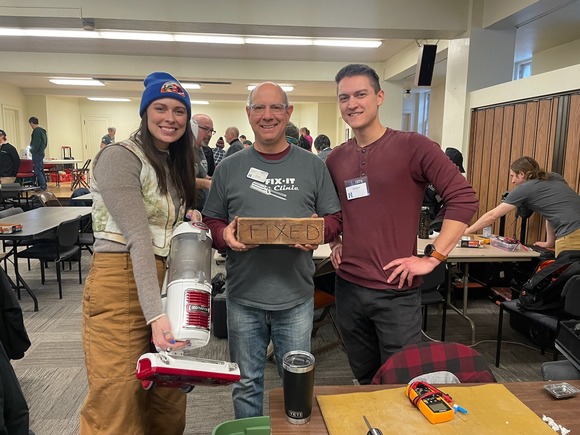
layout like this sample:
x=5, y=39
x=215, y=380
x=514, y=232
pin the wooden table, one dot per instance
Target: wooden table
x=564, y=412
x=485, y=254
x=36, y=223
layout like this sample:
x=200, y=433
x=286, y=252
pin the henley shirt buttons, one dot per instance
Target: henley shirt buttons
x=363, y=162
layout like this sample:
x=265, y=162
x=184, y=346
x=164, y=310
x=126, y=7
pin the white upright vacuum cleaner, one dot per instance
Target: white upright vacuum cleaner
x=187, y=299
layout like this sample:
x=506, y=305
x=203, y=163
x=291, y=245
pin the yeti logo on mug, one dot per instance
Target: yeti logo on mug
x=295, y=414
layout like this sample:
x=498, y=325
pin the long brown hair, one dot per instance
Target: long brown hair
x=181, y=161
x=530, y=168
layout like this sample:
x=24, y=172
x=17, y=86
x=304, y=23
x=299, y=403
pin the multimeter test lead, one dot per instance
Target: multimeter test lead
x=372, y=430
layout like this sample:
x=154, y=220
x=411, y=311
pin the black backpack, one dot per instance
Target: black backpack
x=543, y=291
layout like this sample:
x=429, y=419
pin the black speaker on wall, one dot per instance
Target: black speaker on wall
x=425, y=65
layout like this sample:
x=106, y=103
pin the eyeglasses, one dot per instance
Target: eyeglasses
x=207, y=130
x=276, y=109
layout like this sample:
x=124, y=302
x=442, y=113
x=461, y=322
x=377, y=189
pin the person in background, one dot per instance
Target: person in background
x=9, y=160
x=322, y=146
x=203, y=129
x=219, y=152
x=109, y=137
x=292, y=134
x=304, y=144
x=208, y=153
x=304, y=132
x=378, y=300
x=231, y=136
x=141, y=190
x=269, y=287
x=433, y=200
x=247, y=143
x=38, y=144
x=546, y=193
x=243, y=138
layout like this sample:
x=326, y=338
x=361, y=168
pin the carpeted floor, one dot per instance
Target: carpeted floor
x=52, y=373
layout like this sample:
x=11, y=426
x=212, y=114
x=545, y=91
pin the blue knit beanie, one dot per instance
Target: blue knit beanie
x=163, y=85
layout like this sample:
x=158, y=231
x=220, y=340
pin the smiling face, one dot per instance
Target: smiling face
x=166, y=121
x=269, y=114
x=358, y=102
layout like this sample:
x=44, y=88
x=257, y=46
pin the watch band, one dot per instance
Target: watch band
x=438, y=255
x=430, y=251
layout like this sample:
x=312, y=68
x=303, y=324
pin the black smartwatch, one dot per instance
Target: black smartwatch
x=430, y=251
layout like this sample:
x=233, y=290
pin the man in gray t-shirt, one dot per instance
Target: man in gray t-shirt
x=269, y=288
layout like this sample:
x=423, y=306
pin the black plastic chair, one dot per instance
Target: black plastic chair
x=431, y=295
x=64, y=247
x=571, y=308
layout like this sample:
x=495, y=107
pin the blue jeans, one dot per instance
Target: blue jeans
x=38, y=163
x=249, y=332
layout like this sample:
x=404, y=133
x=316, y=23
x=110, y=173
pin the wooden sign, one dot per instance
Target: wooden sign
x=280, y=231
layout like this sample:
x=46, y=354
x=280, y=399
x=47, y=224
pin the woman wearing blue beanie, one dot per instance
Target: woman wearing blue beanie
x=141, y=190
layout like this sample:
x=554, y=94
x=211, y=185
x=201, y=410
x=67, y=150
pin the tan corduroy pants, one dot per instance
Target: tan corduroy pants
x=115, y=335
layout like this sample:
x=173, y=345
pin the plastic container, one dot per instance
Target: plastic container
x=505, y=244
x=244, y=426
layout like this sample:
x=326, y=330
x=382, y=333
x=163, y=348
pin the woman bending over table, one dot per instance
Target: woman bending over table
x=546, y=193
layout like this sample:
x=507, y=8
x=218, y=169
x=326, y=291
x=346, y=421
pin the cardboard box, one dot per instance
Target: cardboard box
x=280, y=231
x=10, y=228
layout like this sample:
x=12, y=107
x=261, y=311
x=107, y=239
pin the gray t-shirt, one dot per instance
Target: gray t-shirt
x=271, y=277
x=551, y=198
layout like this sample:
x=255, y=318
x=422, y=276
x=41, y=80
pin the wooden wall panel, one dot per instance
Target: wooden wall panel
x=572, y=161
x=503, y=133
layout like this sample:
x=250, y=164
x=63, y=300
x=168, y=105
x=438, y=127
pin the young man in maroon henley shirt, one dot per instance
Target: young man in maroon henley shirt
x=381, y=175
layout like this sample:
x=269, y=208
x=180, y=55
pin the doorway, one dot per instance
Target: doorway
x=94, y=127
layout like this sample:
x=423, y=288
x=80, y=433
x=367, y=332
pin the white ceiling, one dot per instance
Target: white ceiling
x=232, y=68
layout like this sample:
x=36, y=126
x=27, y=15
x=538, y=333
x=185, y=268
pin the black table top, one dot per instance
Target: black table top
x=40, y=220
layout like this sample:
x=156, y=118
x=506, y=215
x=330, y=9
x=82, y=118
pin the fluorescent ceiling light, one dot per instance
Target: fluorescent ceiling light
x=111, y=100
x=209, y=39
x=191, y=37
x=279, y=41
x=354, y=43
x=137, y=36
x=285, y=88
x=190, y=85
x=196, y=102
x=47, y=33
x=76, y=82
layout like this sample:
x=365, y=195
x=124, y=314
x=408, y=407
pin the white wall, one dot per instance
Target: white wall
x=436, y=109
x=556, y=58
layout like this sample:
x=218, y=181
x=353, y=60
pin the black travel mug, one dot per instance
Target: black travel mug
x=298, y=385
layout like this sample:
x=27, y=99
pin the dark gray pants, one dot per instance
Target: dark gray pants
x=375, y=324
x=13, y=407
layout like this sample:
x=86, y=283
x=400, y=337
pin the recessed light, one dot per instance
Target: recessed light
x=353, y=43
x=110, y=100
x=76, y=82
x=195, y=102
x=190, y=85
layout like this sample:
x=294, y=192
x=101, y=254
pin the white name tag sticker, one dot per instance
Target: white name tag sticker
x=357, y=188
x=257, y=175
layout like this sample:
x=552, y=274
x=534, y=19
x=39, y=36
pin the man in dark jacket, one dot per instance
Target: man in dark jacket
x=231, y=137
x=9, y=160
x=38, y=143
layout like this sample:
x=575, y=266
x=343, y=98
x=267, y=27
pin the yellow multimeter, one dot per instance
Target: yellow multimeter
x=432, y=402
